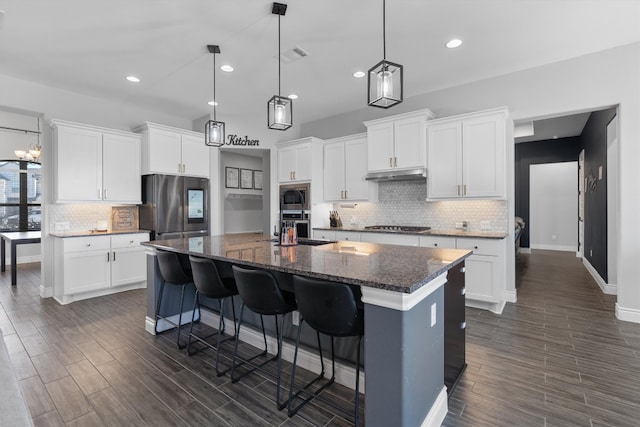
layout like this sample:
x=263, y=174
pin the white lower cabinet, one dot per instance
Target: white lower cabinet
x=324, y=235
x=352, y=236
x=485, y=279
x=98, y=265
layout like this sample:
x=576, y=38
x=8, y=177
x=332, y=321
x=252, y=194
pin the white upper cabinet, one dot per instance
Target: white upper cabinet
x=294, y=162
x=95, y=164
x=345, y=168
x=397, y=142
x=173, y=151
x=466, y=156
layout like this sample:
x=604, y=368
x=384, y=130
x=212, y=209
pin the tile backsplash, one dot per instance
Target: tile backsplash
x=403, y=203
x=81, y=217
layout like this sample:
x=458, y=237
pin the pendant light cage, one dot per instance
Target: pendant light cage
x=279, y=108
x=385, y=79
x=214, y=130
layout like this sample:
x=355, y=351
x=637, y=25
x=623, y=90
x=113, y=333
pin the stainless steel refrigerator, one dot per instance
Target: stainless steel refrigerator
x=174, y=206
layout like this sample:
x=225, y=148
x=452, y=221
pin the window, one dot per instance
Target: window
x=20, y=195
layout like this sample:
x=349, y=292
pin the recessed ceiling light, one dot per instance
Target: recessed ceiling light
x=293, y=96
x=453, y=43
x=228, y=68
x=212, y=103
x=133, y=79
x=555, y=136
x=359, y=74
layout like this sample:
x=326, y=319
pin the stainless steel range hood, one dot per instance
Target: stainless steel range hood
x=398, y=175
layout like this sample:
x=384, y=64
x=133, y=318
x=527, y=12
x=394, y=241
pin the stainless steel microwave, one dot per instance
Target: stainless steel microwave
x=295, y=197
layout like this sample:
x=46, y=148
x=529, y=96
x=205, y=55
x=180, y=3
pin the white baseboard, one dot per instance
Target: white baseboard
x=484, y=305
x=163, y=325
x=345, y=375
x=66, y=299
x=525, y=250
x=607, y=288
x=511, y=296
x=46, y=292
x=627, y=314
x=554, y=247
x=438, y=410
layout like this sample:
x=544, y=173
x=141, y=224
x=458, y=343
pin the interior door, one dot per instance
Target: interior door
x=581, y=188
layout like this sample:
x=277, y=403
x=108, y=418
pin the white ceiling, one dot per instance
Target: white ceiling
x=89, y=46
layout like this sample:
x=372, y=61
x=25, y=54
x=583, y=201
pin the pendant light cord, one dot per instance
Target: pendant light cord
x=214, y=87
x=279, y=61
x=384, y=31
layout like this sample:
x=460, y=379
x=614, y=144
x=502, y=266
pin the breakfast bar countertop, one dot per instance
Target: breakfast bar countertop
x=402, y=269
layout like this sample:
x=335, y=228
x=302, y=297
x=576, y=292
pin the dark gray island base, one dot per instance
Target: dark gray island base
x=408, y=357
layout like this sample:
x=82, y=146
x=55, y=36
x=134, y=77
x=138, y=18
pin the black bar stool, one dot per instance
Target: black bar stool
x=332, y=309
x=209, y=284
x=172, y=271
x=260, y=292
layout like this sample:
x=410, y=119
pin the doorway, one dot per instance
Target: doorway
x=553, y=205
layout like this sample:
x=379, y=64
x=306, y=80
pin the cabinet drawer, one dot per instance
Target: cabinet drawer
x=492, y=247
x=128, y=240
x=391, y=239
x=89, y=243
x=324, y=234
x=437, y=242
x=348, y=235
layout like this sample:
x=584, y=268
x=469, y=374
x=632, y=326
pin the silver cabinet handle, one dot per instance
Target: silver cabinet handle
x=105, y=194
x=395, y=162
x=130, y=241
x=390, y=162
x=99, y=193
x=88, y=244
x=107, y=256
x=179, y=167
x=184, y=168
x=345, y=194
x=114, y=256
x=464, y=190
x=435, y=244
x=458, y=191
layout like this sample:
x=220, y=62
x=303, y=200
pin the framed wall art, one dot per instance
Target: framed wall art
x=231, y=177
x=257, y=180
x=246, y=179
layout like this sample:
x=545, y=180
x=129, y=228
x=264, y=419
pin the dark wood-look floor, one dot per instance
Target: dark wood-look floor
x=558, y=357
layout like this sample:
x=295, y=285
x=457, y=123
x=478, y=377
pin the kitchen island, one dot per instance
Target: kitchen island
x=403, y=291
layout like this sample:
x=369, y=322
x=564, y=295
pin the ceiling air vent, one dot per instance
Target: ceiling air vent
x=291, y=55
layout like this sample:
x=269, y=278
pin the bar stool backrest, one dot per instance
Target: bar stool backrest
x=328, y=307
x=171, y=269
x=208, y=281
x=260, y=292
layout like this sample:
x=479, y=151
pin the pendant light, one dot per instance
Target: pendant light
x=279, y=108
x=214, y=130
x=385, y=78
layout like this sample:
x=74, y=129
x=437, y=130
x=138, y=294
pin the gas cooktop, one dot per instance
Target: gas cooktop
x=407, y=228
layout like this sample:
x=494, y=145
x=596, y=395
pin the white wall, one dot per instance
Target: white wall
x=590, y=82
x=553, y=216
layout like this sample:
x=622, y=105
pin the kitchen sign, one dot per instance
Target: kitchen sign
x=238, y=140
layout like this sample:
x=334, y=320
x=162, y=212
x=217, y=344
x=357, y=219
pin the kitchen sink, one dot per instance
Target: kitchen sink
x=307, y=242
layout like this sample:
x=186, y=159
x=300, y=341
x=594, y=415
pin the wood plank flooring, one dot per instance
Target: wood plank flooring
x=558, y=357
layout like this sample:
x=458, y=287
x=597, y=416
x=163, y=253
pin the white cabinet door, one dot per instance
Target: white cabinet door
x=195, y=156
x=286, y=163
x=86, y=264
x=334, y=171
x=481, y=278
x=409, y=142
x=128, y=259
x=355, y=169
x=444, y=161
x=165, y=152
x=121, y=168
x=79, y=164
x=484, y=156
x=294, y=163
x=302, y=171
x=380, y=153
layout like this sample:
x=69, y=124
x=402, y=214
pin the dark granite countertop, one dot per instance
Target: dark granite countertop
x=451, y=233
x=395, y=268
x=94, y=233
